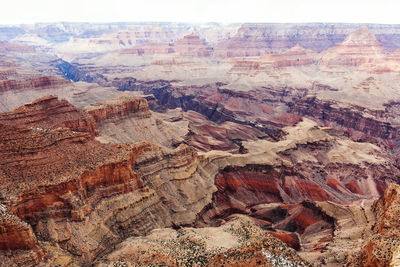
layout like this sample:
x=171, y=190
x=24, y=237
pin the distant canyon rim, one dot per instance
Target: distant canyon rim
x=176, y=144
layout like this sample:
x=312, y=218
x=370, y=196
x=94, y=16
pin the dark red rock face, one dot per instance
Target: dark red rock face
x=36, y=164
x=49, y=112
x=241, y=188
x=120, y=109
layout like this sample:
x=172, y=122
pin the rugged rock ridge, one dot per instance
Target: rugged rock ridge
x=205, y=135
x=263, y=107
x=45, y=82
x=120, y=107
x=239, y=242
x=128, y=118
x=49, y=112
x=350, y=118
x=259, y=39
x=380, y=248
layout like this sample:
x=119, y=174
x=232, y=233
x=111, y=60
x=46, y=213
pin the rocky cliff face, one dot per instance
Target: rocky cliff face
x=49, y=112
x=16, y=234
x=149, y=49
x=39, y=83
x=380, y=249
x=120, y=107
x=295, y=56
x=348, y=117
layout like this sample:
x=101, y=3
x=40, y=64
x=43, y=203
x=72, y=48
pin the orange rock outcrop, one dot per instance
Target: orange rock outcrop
x=379, y=249
x=120, y=107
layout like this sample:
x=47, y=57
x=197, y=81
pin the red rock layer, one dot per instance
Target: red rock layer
x=15, y=234
x=49, y=112
x=289, y=239
x=120, y=107
x=206, y=135
x=53, y=175
x=45, y=82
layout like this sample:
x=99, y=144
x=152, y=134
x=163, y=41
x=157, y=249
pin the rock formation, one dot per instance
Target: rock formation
x=295, y=56
x=49, y=112
x=381, y=247
x=358, y=48
x=192, y=45
x=238, y=242
x=119, y=108
x=32, y=83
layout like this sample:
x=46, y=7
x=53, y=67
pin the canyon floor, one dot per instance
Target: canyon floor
x=172, y=144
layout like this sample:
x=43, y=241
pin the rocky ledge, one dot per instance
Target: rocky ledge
x=120, y=107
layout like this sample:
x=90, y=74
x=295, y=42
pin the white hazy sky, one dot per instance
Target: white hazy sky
x=30, y=11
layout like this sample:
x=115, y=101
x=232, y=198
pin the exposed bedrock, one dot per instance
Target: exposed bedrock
x=87, y=196
x=120, y=107
x=322, y=168
x=383, y=246
x=18, y=242
x=217, y=105
x=371, y=123
x=260, y=108
x=44, y=82
x=49, y=112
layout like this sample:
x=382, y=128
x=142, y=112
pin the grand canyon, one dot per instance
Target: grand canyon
x=208, y=144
